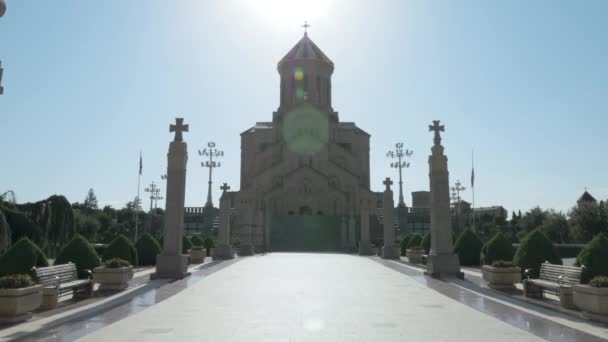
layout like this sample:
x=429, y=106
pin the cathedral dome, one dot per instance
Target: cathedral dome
x=305, y=49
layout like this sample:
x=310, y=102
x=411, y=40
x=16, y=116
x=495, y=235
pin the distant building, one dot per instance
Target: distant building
x=494, y=211
x=586, y=198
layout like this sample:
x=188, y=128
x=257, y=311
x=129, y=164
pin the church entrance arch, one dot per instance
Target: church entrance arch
x=305, y=233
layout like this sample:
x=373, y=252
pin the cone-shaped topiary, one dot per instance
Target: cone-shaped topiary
x=415, y=241
x=497, y=248
x=186, y=244
x=595, y=258
x=21, y=257
x=468, y=247
x=197, y=240
x=80, y=252
x=426, y=243
x=208, y=243
x=535, y=248
x=147, y=249
x=403, y=243
x=121, y=248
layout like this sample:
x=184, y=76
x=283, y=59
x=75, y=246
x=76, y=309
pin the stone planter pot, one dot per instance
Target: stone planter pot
x=414, y=255
x=112, y=279
x=197, y=256
x=593, y=301
x=501, y=277
x=16, y=304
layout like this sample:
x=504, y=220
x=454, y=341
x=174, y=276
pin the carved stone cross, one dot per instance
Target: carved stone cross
x=178, y=128
x=388, y=182
x=225, y=187
x=437, y=128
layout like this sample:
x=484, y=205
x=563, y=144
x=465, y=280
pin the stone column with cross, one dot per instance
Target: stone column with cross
x=365, y=246
x=223, y=250
x=441, y=260
x=389, y=251
x=171, y=263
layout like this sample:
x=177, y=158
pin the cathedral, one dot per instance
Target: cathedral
x=305, y=175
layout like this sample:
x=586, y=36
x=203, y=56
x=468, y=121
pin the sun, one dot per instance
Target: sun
x=287, y=13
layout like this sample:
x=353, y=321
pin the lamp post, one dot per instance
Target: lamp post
x=400, y=155
x=154, y=195
x=2, y=11
x=211, y=152
x=456, y=189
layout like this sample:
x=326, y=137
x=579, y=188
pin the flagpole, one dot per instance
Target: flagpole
x=137, y=198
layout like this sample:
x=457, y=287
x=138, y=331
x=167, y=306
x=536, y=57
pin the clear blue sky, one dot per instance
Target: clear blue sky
x=90, y=83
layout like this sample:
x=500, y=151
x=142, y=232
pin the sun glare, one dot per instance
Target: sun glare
x=285, y=13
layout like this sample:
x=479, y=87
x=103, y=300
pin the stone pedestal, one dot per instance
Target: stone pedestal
x=441, y=260
x=365, y=246
x=171, y=263
x=389, y=251
x=223, y=250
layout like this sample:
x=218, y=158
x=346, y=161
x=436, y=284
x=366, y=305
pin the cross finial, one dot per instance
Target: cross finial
x=306, y=26
x=388, y=182
x=225, y=187
x=437, y=128
x=178, y=128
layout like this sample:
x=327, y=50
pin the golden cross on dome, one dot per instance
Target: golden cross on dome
x=305, y=26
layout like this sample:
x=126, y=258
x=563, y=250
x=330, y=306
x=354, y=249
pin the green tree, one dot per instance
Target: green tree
x=21, y=226
x=555, y=227
x=5, y=233
x=86, y=225
x=586, y=222
x=90, y=202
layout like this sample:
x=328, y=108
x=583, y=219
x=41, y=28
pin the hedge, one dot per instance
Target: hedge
x=121, y=248
x=186, y=244
x=497, y=248
x=21, y=257
x=403, y=244
x=147, y=249
x=468, y=247
x=415, y=241
x=197, y=240
x=536, y=248
x=426, y=243
x=595, y=258
x=80, y=252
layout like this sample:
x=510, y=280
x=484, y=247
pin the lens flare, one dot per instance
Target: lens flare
x=298, y=74
x=305, y=130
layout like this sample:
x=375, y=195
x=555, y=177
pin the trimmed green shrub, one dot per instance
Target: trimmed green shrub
x=121, y=248
x=197, y=240
x=186, y=245
x=403, y=243
x=16, y=281
x=415, y=241
x=116, y=263
x=535, y=248
x=497, y=248
x=599, y=281
x=426, y=243
x=147, y=249
x=80, y=252
x=21, y=257
x=208, y=243
x=595, y=258
x=468, y=247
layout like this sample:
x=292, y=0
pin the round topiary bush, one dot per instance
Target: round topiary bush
x=497, y=248
x=403, y=243
x=186, y=245
x=595, y=258
x=426, y=243
x=209, y=243
x=415, y=241
x=21, y=257
x=80, y=252
x=468, y=247
x=121, y=248
x=197, y=240
x=534, y=249
x=147, y=249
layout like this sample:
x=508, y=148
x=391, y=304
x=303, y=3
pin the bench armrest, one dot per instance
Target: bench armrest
x=57, y=282
x=528, y=273
x=88, y=273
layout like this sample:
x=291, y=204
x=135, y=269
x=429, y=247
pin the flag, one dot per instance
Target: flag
x=140, y=163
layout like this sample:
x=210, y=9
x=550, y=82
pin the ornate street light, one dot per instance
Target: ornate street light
x=400, y=155
x=211, y=152
x=154, y=195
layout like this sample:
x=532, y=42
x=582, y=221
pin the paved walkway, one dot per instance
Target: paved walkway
x=310, y=297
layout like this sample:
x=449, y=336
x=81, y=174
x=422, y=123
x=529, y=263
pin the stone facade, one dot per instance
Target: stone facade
x=305, y=162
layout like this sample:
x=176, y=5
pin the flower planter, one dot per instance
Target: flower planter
x=112, y=279
x=16, y=304
x=197, y=256
x=501, y=277
x=593, y=301
x=414, y=255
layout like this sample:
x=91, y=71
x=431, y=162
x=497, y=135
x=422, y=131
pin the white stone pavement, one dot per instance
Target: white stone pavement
x=309, y=297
